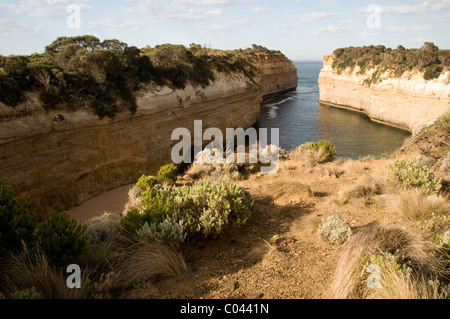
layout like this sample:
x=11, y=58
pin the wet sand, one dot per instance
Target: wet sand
x=112, y=201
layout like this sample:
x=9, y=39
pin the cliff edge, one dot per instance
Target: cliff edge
x=408, y=101
x=57, y=159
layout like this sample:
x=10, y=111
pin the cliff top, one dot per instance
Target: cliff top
x=82, y=71
x=429, y=60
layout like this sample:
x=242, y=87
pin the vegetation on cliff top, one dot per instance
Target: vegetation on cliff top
x=74, y=72
x=429, y=59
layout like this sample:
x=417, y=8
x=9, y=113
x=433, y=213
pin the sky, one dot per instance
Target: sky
x=301, y=29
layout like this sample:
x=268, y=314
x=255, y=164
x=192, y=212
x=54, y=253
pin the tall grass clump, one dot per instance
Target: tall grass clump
x=149, y=259
x=418, y=207
x=33, y=270
x=376, y=245
x=409, y=174
x=314, y=153
x=365, y=188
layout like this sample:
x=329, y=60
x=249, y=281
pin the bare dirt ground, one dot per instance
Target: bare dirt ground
x=277, y=254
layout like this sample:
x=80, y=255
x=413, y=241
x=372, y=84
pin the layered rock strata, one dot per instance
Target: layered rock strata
x=58, y=159
x=408, y=102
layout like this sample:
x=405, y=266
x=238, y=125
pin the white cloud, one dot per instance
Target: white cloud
x=313, y=16
x=424, y=7
x=445, y=17
x=227, y=26
x=259, y=9
x=288, y=28
x=209, y=2
x=176, y=10
x=10, y=27
x=420, y=40
x=414, y=28
x=114, y=23
x=42, y=8
x=398, y=29
x=330, y=29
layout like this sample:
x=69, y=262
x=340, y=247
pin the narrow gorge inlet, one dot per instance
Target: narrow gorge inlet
x=227, y=174
x=301, y=119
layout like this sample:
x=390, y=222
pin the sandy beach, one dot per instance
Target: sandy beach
x=112, y=201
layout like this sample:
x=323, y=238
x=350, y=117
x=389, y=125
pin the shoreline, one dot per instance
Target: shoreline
x=373, y=119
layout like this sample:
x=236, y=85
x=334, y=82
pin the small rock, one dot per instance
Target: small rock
x=257, y=295
x=284, y=241
x=274, y=239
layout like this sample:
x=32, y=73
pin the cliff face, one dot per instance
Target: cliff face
x=278, y=75
x=408, y=102
x=57, y=160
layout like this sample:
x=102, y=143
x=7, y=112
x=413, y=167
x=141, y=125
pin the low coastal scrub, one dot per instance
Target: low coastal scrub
x=335, y=229
x=177, y=213
x=116, y=252
x=419, y=207
x=429, y=60
x=409, y=174
x=82, y=71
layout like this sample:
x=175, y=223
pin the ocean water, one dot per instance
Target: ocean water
x=301, y=118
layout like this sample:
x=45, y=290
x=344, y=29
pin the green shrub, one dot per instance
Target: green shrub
x=203, y=209
x=60, y=237
x=335, y=229
x=168, y=173
x=11, y=93
x=409, y=174
x=396, y=61
x=30, y=293
x=155, y=206
x=432, y=72
x=15, y=227
x=101, y=228
x=326, y=148
x=146, y=183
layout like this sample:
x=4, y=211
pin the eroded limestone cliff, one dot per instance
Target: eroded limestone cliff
x=408, y=102
x=278, y=75
x=58, y=159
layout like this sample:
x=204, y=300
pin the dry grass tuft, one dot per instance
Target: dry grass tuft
x=309, y=158
x=30, y=269
x=258, y=253
x=288, y=190
x=134, y=199
x=151, y=259
x=418, y=207
x=377, y=240
x=364, y=188
x=308, y=224
x=397, y=283
x=356, y=168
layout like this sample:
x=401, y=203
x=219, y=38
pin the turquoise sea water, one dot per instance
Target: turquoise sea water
x=301, y=118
